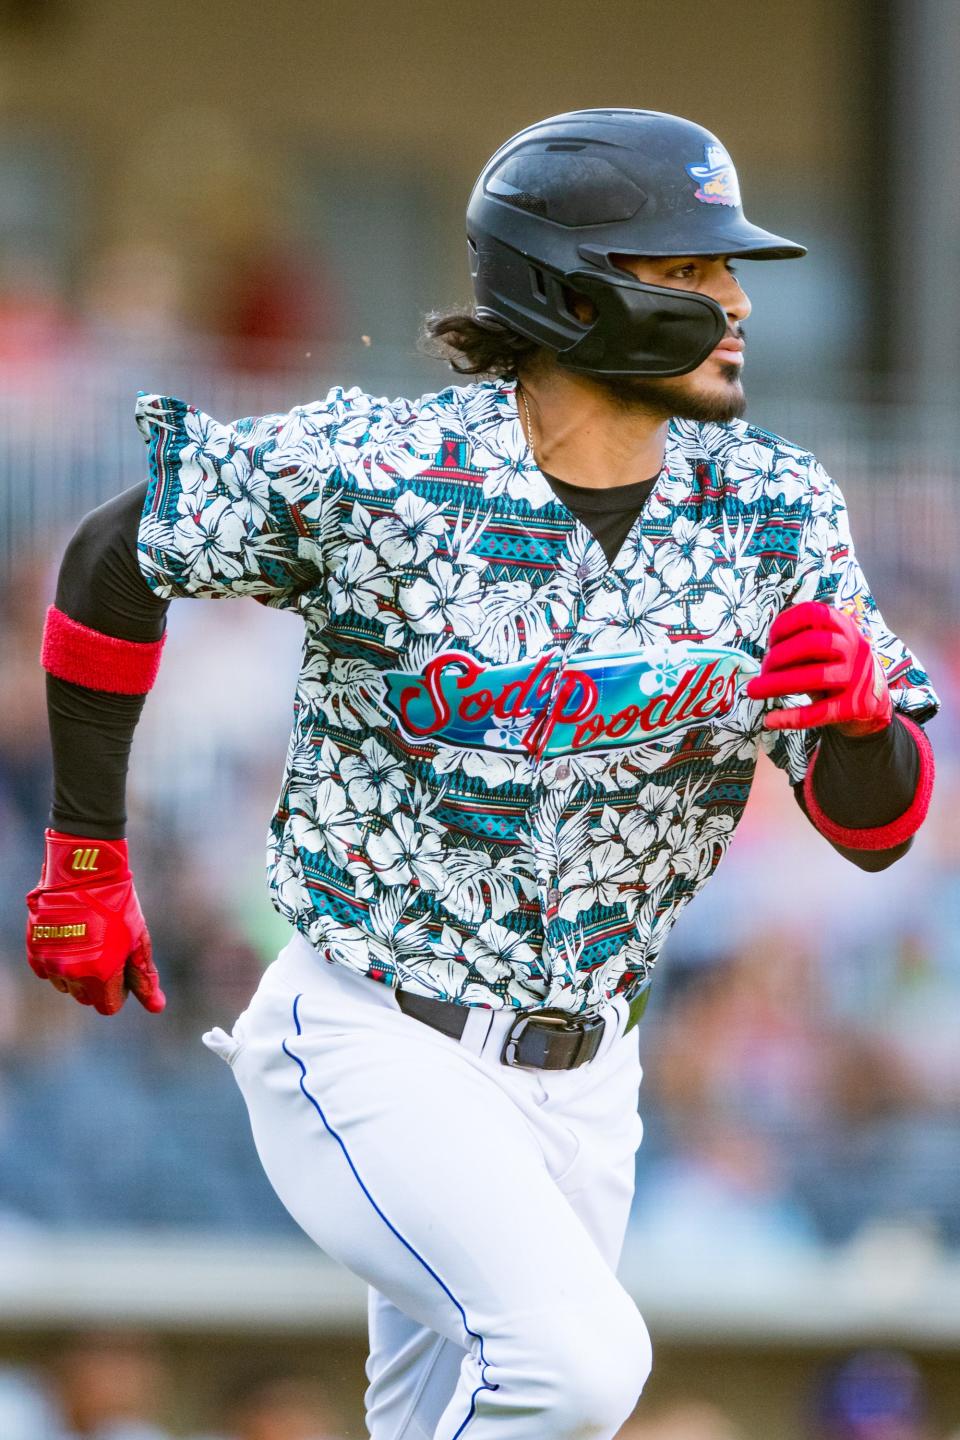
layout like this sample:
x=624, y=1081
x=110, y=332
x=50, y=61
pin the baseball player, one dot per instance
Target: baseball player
x=550, y=617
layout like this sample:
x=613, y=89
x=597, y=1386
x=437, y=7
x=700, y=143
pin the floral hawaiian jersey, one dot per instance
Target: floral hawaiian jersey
x=512, y=764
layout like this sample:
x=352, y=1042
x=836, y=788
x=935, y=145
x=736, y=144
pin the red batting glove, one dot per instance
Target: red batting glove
x=818, y=651
x=86, y=933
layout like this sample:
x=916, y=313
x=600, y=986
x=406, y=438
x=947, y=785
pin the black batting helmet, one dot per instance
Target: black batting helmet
x=563, y=196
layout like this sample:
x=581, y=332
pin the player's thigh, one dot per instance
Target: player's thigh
x=405, y=1161
x=601, y=1112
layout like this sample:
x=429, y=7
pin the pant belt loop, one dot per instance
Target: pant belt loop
x=476, y=1031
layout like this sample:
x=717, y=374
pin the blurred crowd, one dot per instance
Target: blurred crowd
x=116, y=1388
x=119, y=1387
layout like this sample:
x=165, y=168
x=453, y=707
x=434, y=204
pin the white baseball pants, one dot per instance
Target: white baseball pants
x=485, y=1206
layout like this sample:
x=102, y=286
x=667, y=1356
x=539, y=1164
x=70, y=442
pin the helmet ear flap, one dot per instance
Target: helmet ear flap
x=642, y=329
x=635, y=329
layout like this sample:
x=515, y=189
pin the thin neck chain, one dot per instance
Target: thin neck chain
x=526, y=411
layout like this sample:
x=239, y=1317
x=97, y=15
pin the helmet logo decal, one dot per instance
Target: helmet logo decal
x=716, y=177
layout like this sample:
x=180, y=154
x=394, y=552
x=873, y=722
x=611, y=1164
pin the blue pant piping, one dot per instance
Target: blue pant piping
x=389, y=1224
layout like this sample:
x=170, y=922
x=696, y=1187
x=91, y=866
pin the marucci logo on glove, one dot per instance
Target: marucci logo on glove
x=548, y=708
x=59, y=932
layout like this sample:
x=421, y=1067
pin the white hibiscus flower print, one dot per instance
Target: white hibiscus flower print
x=360, y=524
x=716, y=614
x=374, y=780
x=686, y=554
x=445, y=975
x=616, y=829
x=410, y=533
x=365, y=883
x=632, y=619
x=651, y=870
x=404, y=854
x=448, y=598
x=209, y=542
x=509, y=468
x=207, y=444
x=597, y=880
x=760, y=470
x=348, y=944
x=324, y=823
x=646, y=823
x=635, y=554
x=493, y=769
x=505, y=459
x=327, y=760
x=737, y=736
x=305, y=425
x=286, y=880
x=359, y=582
x=497, y=952
x=248, y=488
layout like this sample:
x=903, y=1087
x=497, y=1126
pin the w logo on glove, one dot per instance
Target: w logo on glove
x=85, y=860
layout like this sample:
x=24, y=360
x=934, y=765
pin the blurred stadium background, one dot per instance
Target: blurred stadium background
x=242, y=206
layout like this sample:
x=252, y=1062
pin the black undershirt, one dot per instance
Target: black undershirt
x=858, y=783
x=608, y=514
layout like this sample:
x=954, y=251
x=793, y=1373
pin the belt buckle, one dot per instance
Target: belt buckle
x=559, y=1020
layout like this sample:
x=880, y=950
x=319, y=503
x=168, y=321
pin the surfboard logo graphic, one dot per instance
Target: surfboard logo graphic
x=547, y=707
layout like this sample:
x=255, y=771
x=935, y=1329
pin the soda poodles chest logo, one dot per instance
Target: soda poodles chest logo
x=549, y=708
x=718, y=184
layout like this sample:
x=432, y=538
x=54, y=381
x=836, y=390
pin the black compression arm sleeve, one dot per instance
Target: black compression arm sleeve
x=101, y=586
x=868, y=782
x=861, y=784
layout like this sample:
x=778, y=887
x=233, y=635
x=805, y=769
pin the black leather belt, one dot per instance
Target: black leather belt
x=538, y=1039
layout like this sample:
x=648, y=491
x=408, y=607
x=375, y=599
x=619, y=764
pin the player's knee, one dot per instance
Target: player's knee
x=599, y=1370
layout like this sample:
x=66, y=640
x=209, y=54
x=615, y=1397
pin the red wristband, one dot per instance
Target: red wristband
x=82, y=656
x=879, y=837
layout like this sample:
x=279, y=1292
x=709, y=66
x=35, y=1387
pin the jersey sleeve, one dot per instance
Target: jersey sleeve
x=238, y=508
x=828, y=570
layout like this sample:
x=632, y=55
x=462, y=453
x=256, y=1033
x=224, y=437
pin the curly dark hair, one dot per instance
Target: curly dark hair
x=472, y=346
